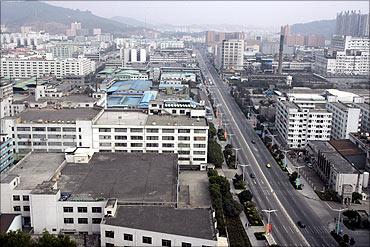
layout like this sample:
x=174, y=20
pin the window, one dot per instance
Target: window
x=82, y=220
x=68, y=220
x=168, y=145
x=168, y=138
x=168, y=131
x=136, y=145
x=96, y=209
x=183, y=244
x=184, y=130
x=68, y=209
x=199, y=138
x=120, y=137
x=136, y=138
x=82, y=209
x=38, y=129
x=26, y=198
x=26, y=208
x=120, y=130
x=183, y=152
x=16, y=198
x=109, y=245
x=104, y=130
x=152, y=145
x=184, y=138
x=17, y=208
x=147, y=240
x=152, y=138
x=128, y=237
x=152, y=130
x=69, y=129
x=136, y=130
x=104, y=137
x=96, y=220
x=199, y=145
x=121, y=144
x=109, y=234
x=183, y=145
x=166, y=242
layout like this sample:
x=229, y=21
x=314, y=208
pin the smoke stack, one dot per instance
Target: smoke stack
x=284, y=31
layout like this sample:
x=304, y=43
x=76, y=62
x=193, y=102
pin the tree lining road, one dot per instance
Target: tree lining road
x=285, y=231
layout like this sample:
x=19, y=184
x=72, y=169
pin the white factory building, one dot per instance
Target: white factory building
x=82, y=192
x=133, y=55
x=55, y=130
x=26, y=67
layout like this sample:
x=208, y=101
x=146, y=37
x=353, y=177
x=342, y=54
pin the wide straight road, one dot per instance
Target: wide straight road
x=271, y=187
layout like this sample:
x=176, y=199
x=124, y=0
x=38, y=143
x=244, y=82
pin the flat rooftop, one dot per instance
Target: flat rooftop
x=112, y=117
x=129, y=177
x=331, y=154
x=170, y=120
x=346, y=147
x=196, y=223
x=34, y=169
x=64, y=114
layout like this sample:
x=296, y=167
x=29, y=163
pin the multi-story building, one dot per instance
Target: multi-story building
x=128, y=199
x=352, y=23
x=337, y=172
x=297, y=125
x=50, y=130
x=123, y=131
x=131, y=55
x=6, y=98
x=231, y=56
x=38, y=67
x=347, y=56
x=346, y=118
x=64, y=50
x=365, y=116
x=6, y=151
x=170, y=44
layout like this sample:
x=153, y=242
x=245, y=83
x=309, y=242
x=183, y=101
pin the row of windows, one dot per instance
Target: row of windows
x=82, y=209
x=82, y=220
x=139, y=130
x=145, y=240
x=18, y=198
x=18, y=208
x=165, y=145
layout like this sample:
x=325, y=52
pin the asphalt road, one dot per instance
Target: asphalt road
x=270, y=187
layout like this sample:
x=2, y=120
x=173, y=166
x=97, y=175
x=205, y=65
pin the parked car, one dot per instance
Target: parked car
x=268, y=165
x=253, y=141
x=301, y=224
x=252, y=175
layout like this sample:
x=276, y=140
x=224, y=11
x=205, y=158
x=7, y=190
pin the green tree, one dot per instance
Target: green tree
x=212, y=130
x=245, y=196
x=48, y=240
x=215, y=155
x=356, y=196
x=231, y=207
x=345, y=238
x=15, y=238
x=212, y=172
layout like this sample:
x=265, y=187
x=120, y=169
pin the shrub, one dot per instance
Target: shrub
x=236, y=233
x=260, y=235
x=212, y=173
x=245, y=196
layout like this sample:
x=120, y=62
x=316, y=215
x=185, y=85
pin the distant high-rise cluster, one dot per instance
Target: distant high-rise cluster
x=352, y=23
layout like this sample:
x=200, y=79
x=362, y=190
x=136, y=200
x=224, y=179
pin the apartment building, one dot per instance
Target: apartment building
x=347, y=56
x=231, y=56
x=171, y=44
x=6, y=152
x=346, y=118
x=129, y=199
x=39, y=67
x=6, y=98
x=297, y=125
x=49, y=129
x=138, y=132
x=365, y=116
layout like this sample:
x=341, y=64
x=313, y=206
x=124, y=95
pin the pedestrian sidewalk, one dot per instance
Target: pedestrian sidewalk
x=250, y=230
x=307, y=189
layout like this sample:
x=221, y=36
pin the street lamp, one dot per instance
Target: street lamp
x=236, y=156
x=269, y=211
x=285, y=158
x=243, y=166
x=230, y=135
x=339, y=212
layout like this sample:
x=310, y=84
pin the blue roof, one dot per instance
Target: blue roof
x=140, y=101
x=148, y=96
x=134, y=85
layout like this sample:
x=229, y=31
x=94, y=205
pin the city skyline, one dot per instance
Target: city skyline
x=207, y=12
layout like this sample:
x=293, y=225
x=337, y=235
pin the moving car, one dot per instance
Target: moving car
x=301, y=224
x=253, y=141
x=268, y=165
x=252, y=175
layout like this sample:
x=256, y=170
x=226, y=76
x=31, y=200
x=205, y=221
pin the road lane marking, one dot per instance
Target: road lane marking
x=252, y=155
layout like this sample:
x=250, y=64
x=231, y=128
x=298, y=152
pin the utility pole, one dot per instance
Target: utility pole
x=243, y=166
x=268, y=211
x=236, y=156
x=337, y=230
x=298, y=167
x=230, y=135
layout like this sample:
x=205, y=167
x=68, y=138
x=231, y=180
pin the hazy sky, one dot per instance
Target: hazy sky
x=261, y=13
